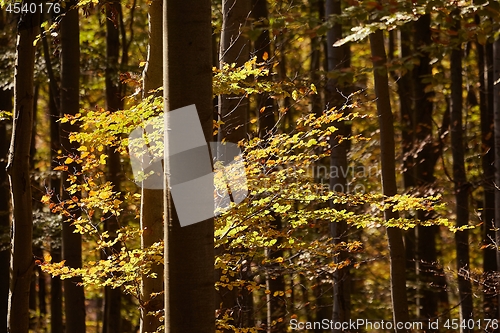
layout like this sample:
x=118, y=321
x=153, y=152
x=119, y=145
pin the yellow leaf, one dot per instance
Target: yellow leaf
x=47, y=258
x=68, y=160
x=104, y=195
x=313, y=88
x=102, y=159
x=265, y=56
x=45, y=199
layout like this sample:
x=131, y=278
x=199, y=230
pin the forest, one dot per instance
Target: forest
x=248, y=166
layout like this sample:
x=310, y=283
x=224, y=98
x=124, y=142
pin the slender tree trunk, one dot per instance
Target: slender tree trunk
x=56, y=293
x=21, y=261
x=6, y=105
x=189, y=251
x=461, y=187
x=496, y=106
x=234, y=48
x=112, y=296
x=233, y=113
x=484, y=61
x=427, y=303
x=387, y=149
x=6, y=96
x=262, y=47
x=74, y=298
x=336, y=57
x=404, y=90
x=152, y=200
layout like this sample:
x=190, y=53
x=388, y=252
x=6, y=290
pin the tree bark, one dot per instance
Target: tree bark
x=387, y=149
x=427, y=155
x=496, y=105
x=21, y=261
x=234, y=48
x=74, y=298
x=262, y=46
x=336, y=60
x=233, y=113
x=461, y=187
x=112, y=319
x=6, y=95
x=484, y=63
x=6, y=105
x=189, y=251
x=152, y=200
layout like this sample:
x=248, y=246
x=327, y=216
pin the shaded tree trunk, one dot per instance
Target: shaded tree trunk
x=387, y=149
x=233, y=113
x=152, y=200
x=404, y=90
x=234, y=48
x=261, y=47
x=21, y=261
x=496, y=110
x=189, y=251
x=427, y=154
x=484, y=63
x=56, y=293
x=336, y=60
x=461, y=186
x=74, y=298
x=112, y=296
x=6, y=95
x=6, y=105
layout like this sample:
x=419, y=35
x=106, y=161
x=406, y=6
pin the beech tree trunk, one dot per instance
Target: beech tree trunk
x=6, y=95
x=262, y=46
x=74, y=298
x=233, y=113
x=189, y=251
x=496, y=103
x=234, y=48
x=152, y=200
x=6, y=105
x=387, y=150
x=21, y=261
x=485, y=67
x=112, y=318
x=461, y=187
x=427, y=154
x=337, y=59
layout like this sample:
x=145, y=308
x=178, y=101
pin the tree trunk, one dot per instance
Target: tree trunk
x=74, y=298
x=461, y=187
x=21, y=261
x=496, y=106
x=262, y=46
x=112, y=296
x=189, y=251
x=484, y=63
x=336, y=60
x=234, y=48
x=6, y=105
x=56, y=293
x=404, y=90
x=387, y=149
x=233, y=113
x=427, y=152
x=152, y=200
